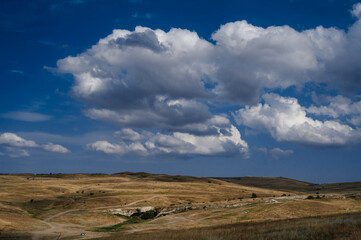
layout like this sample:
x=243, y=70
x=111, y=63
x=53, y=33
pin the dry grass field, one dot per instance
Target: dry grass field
x=61, y=206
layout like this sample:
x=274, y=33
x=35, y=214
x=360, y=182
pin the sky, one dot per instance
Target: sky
x=202, y=88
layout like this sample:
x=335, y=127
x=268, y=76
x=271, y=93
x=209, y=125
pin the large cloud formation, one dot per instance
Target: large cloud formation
x=146, y=67
x=226, y=141
x=251, y=58
x=172, y=82
x=144, y=78
x=14, y=145
x=286, y=120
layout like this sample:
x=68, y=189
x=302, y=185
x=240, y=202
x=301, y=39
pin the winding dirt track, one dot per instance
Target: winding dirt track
x=59, y=231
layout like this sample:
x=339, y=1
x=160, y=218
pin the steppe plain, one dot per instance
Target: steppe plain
x=155, y=206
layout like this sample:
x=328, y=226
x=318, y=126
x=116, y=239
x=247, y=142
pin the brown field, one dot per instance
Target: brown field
x=61, y=206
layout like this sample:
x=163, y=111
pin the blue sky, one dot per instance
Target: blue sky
x=204, y=88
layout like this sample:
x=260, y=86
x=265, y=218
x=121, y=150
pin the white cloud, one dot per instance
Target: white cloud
x=226, y=140
x=173, y=82
x=252, y=58
x=17, y=71
x=262, y=149
x=277, y=153
x=339, y=106
x=12, y=139
x=118, y=148
x=26, y=116
x=145, y=77
x=356, y=10
x=286, y=120
x=13, y=143
x=165, y=113
x=55, y=148
x=128, y=134
x=16, y=152
x=129, y=72
x=184, y=143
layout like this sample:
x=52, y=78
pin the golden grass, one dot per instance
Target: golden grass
x=82, y=200
x=42, y=196
x=347, y=226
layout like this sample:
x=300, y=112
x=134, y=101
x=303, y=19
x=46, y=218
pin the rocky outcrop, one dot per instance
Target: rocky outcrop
x=130, y=211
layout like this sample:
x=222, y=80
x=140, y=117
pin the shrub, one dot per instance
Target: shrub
x=310, y=197
x=148, y=215
x=254, y=195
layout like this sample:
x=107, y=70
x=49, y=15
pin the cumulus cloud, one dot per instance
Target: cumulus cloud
x=26, y=116
x=286, y=120
x=229, y=142
x=277, y=153
x=130, y=72
x=11, y=139
x=118, y=148
x=253, y=58
x=16, y=152
x=250, y=58
x=13, y=144
x=339, y=107
x=165, y=113
x=55, y=148
x=128, y=134
x=226, y=141
x=172, y=82
x=356, y=10
x=143, y=78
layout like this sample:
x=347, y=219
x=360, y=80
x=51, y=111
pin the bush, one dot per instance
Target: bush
x=148, y=215
x=310, y=197
x=254, y=195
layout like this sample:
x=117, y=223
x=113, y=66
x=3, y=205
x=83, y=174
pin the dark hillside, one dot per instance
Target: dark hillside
x=287, y=184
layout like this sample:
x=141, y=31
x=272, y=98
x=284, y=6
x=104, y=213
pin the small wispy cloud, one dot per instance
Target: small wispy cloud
x=16, y=152
x=55, y=148
x=26, y=116
x=277, y=153
x=356, y=10
x=47, y=43
x=141, y=15
x=17, y=71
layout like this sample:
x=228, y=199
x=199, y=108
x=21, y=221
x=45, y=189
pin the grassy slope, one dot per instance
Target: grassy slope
x=28, y=197
x=287, y=184
x=59, y=192
x=345, y=226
